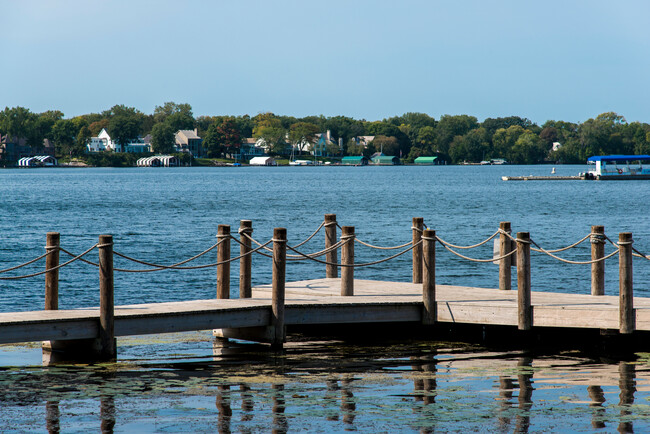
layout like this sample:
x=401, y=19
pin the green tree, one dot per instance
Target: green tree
x=473, y=146
x=528, y=149
x=124, y=124
x=301, y=133
x=387, y=145
x=162, y=138
x=64, y=135
x=222, y=136
x=426, y=139
x=504, y=140
x=269, y=128
x=451, y=126
x=179, y=116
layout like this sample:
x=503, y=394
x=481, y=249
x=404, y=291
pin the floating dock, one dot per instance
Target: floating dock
x=543, y=178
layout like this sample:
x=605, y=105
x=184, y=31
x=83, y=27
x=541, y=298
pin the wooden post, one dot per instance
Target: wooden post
x=107, y=344
x=277, y=297
x=597, y=268
x=525, y=311
x=626, y=297
x=330, y=240
x=245, y=263
x=505, y=269
x=223, y=254
x=52, y=244
x=429, y=276
x=417, y=227
x=347, y=258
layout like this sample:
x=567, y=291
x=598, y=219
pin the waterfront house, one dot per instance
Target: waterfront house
x=249, y=149
x=190, y=142
x=103, y=142
x=354, y=161
x=14, y=148
x=262, y=161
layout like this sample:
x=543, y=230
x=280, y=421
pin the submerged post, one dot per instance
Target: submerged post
x=223, y=255
x=347, y=258
x=429, y=276
x=597, y=253
x=278, y=286
x=417, y=227
x=524, y=309
x=107, y=344
x=627, y=320
x=245, y=263
x=505, y=245
x=330, y=240
x=52, y=244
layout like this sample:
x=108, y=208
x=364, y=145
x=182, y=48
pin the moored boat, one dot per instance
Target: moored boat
x=619, y=167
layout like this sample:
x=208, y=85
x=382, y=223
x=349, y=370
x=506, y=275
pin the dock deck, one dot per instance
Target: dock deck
x=319, y=302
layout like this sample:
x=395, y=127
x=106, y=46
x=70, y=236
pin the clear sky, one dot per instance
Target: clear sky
x=565, y=60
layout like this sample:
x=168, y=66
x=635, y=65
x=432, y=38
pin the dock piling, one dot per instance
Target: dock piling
x=52, y=244
x=330, y=240
x=278, y=286
x=505, y=268
x=347, y=258
x=627, y=313
x=429, y=276
x=223, y=254
x=417, y=227
x=597, y=253
x=524, y=308
x=245, y=263
x=107, y=343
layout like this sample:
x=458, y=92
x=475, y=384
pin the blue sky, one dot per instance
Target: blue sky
x=565, y=60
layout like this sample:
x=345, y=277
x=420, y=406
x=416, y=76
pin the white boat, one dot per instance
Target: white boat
x=619, y=167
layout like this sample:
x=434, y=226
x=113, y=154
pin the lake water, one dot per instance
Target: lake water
x=165, y=215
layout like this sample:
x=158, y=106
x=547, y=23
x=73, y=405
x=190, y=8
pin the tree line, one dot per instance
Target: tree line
x=457, y=138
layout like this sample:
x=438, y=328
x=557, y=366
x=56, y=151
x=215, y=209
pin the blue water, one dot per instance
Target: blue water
x=179, y=383
x=165, y=215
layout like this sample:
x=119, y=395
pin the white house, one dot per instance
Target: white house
x=103, y=142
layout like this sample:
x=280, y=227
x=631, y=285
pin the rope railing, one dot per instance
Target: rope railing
x=567, y=261
x=29, y=262
x=53, y=268
x=365, y=264
x=301, y=256
x=195, y=267
x=469, y=247
x=401, y=246
x=447, y=246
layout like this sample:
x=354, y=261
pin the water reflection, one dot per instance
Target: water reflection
x=598, y=411
x=525, y=398
x=52, y=416
x=627, y=385
x=420, y=392
x=280, y=424
x=224, y=409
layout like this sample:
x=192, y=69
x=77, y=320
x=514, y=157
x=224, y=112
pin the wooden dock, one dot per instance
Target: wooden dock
x=262, y=313
x=319, y=302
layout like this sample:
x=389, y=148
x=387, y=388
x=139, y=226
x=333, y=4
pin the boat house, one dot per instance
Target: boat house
x=385, y=160
x=430, y=161
x=262, y=161
x=158, y=161
x=354, y=161
x=37, y=161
